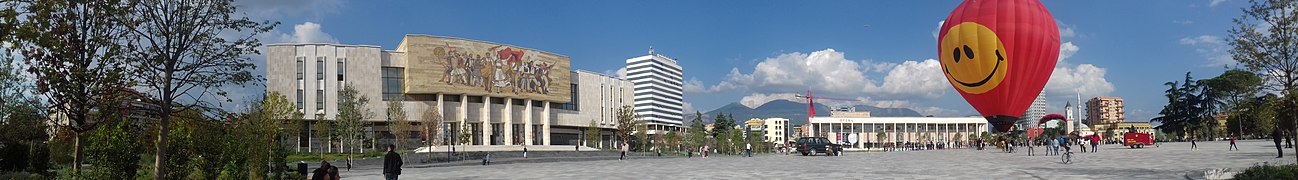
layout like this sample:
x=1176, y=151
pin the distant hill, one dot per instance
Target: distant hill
x=794, y=111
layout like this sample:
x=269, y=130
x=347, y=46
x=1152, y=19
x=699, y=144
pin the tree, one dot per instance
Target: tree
x=397, y=123
x=76, y=52
x=642, y=136
x=275, y=111
x=880, y=136
x=736, y=141
x=1264, y=40
x=352, y=111
x=322, y=133
x=627, y=122
x=697, y=135
x=431, y=126
x=186, y=51
x=672, y=140
x=722, y=125
x=465, y=136
x=1190, y=108
x=592, y=135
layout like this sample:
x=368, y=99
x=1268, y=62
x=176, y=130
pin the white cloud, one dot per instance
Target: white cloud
x=911, y=78
x=1212, y=48
x=694, y=86
x=1067, y=32
x=826, y=70
x=308, y=32
x=1214, y=3
x=1086, y=79
x=939, y=28
x=688, y=108
x=757, y=99
x=621, y=73
x=1067, y=79
x=1066, y=50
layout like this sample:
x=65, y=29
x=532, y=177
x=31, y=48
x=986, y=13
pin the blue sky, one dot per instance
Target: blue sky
x=756, y=51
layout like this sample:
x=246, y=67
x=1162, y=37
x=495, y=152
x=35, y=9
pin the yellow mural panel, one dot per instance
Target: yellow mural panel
x=460, y=66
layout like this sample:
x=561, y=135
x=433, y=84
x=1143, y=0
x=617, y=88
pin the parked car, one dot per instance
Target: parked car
x=814, y=145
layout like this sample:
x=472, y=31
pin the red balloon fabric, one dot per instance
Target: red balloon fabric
x=999, y=54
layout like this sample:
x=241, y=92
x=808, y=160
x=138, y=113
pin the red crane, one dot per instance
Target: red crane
x=811, y=102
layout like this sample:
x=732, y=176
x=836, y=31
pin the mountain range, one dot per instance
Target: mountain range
x=796, y=112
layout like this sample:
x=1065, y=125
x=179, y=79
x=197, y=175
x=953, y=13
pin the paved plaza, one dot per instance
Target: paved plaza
x=1170, y=161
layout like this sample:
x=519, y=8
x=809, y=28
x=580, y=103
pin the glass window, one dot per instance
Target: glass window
x=299, y=99
x=393, y=81
x=300, y=69
x=342, y=68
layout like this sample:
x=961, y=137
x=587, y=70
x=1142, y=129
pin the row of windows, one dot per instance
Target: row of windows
x=393, y=82
x=665, y=74
x=665, y=97
x=637, y=63
x=320, y=83
x=675, y=82
x=672, y=90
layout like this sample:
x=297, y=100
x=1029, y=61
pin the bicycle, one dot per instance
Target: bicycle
x=1067, y=157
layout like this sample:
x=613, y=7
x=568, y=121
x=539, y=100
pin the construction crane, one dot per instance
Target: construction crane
x=811, y=102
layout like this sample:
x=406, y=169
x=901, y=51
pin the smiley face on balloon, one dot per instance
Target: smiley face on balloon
x=979, y=60
x=998, y=54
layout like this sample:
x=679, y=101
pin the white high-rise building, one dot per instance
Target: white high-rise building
x=659, y=98
x=1033, y=114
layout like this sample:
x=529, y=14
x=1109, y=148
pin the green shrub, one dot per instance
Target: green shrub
x=114, y=152
x=21, y=175
x=1270, y=172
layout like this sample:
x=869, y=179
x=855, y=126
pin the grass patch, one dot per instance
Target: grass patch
x=1270, y=172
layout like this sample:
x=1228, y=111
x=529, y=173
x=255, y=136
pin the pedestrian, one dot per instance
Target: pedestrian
x=524, y=151
x=623, y=157
x=392, y=163
x=321, y=173
x=1083, y=145
x=1095, y=143
x=576, y=148
x=1030, y=145
x=1275, y=136
x=349, y=163
x=1232, y=145
x=748, y=149
x=1193, y=145
x=333, y=173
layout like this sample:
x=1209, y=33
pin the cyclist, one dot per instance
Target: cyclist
x=1063, y=142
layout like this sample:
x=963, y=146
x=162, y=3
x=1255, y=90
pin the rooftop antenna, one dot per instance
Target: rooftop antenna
x=651, y=50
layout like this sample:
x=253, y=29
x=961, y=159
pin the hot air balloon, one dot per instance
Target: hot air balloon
x=999, y=54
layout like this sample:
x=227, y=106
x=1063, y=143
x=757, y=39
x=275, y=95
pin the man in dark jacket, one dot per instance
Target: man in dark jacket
x=1275, y=136
x=391, y=163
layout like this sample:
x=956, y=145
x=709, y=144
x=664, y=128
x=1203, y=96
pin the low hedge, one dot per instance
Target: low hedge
x=1270, y=172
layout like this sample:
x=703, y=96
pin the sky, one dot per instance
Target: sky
x=878, y=52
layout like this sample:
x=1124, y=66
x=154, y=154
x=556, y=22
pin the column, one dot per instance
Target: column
x=486, y=117
x=527, y=123
x=509, y=121
x=463, y=116
x=441, y=119
x=545, y=124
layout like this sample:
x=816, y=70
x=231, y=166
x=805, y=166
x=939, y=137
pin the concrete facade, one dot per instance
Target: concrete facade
x=777, y=130
x=492, y=119
x=596, y=98
x=658, y=91
x=1104, y=110
x=939, y=130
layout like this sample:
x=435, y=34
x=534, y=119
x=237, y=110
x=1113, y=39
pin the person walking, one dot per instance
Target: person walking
x=524, y=151
x=1193, y=145
x=623, y=157
x=748, y=149
x=321, y=173
x=1095, y=143
x=1232, y=145
x=1029, y=145
x=1275, y=136
x=392, y=163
